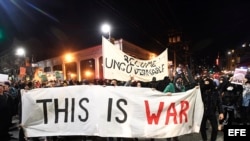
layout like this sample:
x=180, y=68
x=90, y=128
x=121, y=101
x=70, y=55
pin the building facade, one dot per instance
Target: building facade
x=85, y=64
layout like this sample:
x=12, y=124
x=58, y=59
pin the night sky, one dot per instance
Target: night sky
x=51, y=27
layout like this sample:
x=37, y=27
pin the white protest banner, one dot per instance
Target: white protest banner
x=119, y=65
x=3, y=77
x=110, y=112
x=239, y=76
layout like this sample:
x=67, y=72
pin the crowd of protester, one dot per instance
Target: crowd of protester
x=225, y=103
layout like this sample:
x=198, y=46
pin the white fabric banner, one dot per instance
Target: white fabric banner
x=119, y=65
x=3, y=77
x=110, y=112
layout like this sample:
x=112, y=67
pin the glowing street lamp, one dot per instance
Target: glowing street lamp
x=106, y=29
x=68, y=58
x=20, y=52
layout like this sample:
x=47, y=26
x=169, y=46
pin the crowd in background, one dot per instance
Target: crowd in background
x=225, y=103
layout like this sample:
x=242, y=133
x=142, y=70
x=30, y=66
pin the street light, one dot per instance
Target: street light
x=20, y=52
x=68, y=58
x=106, y=29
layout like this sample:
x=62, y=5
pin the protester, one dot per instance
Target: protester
x=223, y=80
x=179, y=84
x=162, y=83
x=114, y=82
x=169, y=89
x=130, y=81
x=153, y=83
x=26, y=86
x=245, y=104
x=11, y=97
x=229, y=97
x=6, y=102
x=212, y=103
x=185, y=75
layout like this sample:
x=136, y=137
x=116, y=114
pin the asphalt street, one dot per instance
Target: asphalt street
x=188, y=137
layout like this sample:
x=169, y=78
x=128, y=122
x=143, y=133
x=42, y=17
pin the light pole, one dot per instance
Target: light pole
x=106, y=29
x=20, y=52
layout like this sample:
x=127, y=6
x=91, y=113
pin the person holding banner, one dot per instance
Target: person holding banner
x=169, y=89
x=6, y=103
x=130, y=81
x=25, y=86
x=153, y=84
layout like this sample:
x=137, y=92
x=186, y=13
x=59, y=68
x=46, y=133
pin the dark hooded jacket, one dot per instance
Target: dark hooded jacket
x=210, y=97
